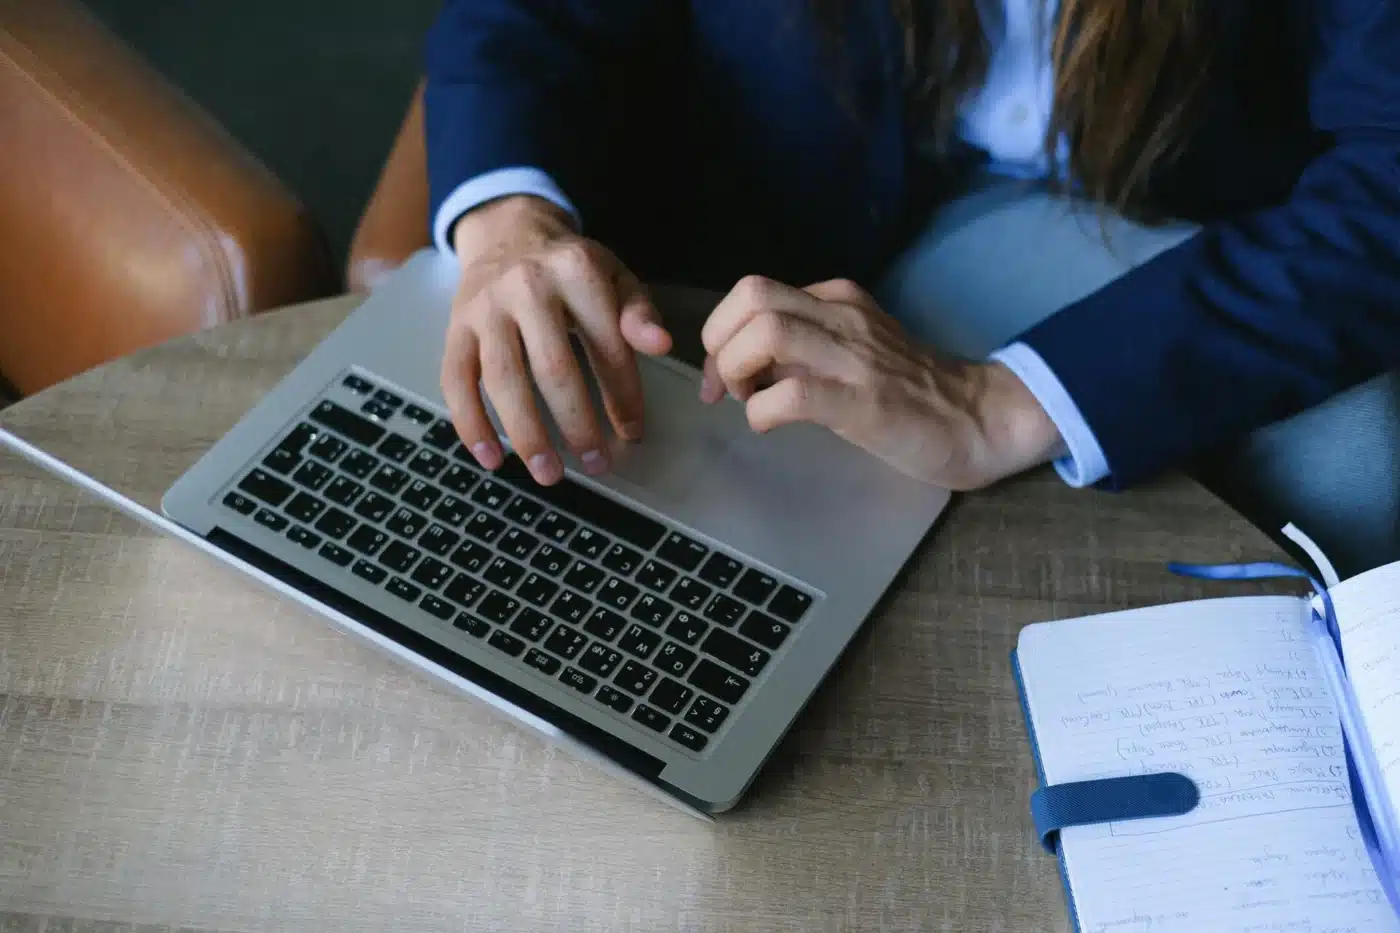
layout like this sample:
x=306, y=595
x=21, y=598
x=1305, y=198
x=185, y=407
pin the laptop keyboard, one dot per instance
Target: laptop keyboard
x=648, y=623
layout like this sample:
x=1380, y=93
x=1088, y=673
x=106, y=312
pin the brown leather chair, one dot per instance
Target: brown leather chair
x=127, y=215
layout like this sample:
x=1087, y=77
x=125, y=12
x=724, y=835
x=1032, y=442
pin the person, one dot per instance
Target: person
x=1229, y=174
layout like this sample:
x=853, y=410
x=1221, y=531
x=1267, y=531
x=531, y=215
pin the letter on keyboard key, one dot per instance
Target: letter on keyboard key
x=335, y=524
x=651, y=718
x=506, y=642
x=541, y=661
x=582, y=502
x=688, y=737
x=683, y=552
x=583, y=683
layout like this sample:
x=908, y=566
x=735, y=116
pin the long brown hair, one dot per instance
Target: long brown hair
x=1128, y=75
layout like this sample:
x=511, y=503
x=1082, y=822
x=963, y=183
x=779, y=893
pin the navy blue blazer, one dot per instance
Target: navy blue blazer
x=707, y=139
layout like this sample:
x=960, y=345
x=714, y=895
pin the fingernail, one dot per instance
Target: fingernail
x=487, y=454
x=653, y=331
x=630, y=430
x=546, y=468
x=710, y=391
x=595, y=461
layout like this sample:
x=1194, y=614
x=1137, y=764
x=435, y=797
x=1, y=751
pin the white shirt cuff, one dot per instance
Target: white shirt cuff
x=1085, y=464
x=499, y=183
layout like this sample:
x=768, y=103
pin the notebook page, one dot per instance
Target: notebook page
x=1229, y=692
x=1368, y=613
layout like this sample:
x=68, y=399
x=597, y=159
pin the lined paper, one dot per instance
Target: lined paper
x=1228, y=692
x=1368, y=613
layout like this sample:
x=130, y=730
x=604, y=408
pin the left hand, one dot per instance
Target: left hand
x=828, y=355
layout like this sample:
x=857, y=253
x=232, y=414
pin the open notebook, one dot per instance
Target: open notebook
x=1233, y=694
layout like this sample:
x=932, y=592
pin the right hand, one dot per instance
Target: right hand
x=527, y=278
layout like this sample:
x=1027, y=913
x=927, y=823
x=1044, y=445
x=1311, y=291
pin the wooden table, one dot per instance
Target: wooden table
x=180, y=748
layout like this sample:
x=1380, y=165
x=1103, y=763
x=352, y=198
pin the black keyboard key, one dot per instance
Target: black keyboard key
x=543, y=662
x=755, y=587
x=377, y=409
x=682, y=734
x=343, y=491
x=604, y=623
x=358, y=385
x=368, y=540
x=452, y=511
x=404, y=590
x=281, y=461
x=724, y=610
x=438, y=540
x=600, y=659
x=536, y=590
x=651, y=718
x=652, y=610
x=458, y=479
x=684, y=553
x=399, y=557
x=635, y=678
x=617, y=594
x=491, y=494
x=240, y=503
x=328, y=448
x=265, y=487
x=385, y=397
x=270, y=519
x=441, y=435
x=555, y=527
x=375, y=507
x=335, y=524
x=432, y=573
x=790, y=604
x=418, y=415
x=584, y=577
x=614, y=699
x=518, y=544
x=296, y=440
x=428, y=464
x=406, y=523
x=531, y=624
x=550, y=560
x=718, y=682
x=313, y=475
x=497, y=607
x=707, y=714
x=566, y=642
x=655, y=576
x=569, y=607
x=471, y=625
x=639, y=641
x=686, y=627
x=359, y=464
x=503, y=572
x=674, y=660
x=506, y=642
x=304, y=507
x=371, y=572
x=735, y=652
x=389, y=479
x=421, y=495
x=439, y=607
x=583, y=683
x=471, y=556
x=588, y=543
x=485, y=527
x=305, y=538
x=671, y=696
x=582, y=502
x=464, y=590
x=766, y=630
x=524, y=511
x=690, y=594
x=621, y=559
x=336, y=554
x=721, y=570
x=347, y=424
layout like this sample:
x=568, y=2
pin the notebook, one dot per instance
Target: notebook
x=1227, y=798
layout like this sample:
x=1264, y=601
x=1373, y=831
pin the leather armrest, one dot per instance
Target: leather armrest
x=127, y=216
x=395, y=225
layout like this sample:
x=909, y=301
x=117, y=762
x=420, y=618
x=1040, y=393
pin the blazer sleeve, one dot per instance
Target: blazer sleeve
x=1263, y=315
x=529, y=84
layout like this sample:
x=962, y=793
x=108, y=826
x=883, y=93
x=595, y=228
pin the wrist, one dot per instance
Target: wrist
x=1017, y=431
x=506, y=224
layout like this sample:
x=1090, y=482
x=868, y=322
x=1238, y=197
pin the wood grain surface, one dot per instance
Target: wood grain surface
x=181, y=749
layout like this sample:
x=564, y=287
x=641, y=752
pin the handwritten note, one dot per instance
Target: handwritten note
x=1229, y=693
x=1368, y=612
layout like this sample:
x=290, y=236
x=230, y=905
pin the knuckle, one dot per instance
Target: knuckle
x=575, y=257
x=753, y=289
x=848, y=291
x=554, y=366
x=772, y=329
x=526, y=277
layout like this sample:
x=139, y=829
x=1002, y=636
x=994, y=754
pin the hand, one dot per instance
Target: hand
x=527, y=278
x=828, y=355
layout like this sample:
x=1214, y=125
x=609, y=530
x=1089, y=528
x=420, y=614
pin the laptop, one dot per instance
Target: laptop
x=668, y=620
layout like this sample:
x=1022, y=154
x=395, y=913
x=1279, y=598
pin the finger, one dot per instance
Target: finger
x=560, y=379
x=508, y=385
x=802, y=399
x=769, y=340
x=839, y=291
x=711, y=385
x=754, y=295
x=461, y=388
x=641, y=322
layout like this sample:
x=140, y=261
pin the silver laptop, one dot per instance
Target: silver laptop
x=668, y=620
